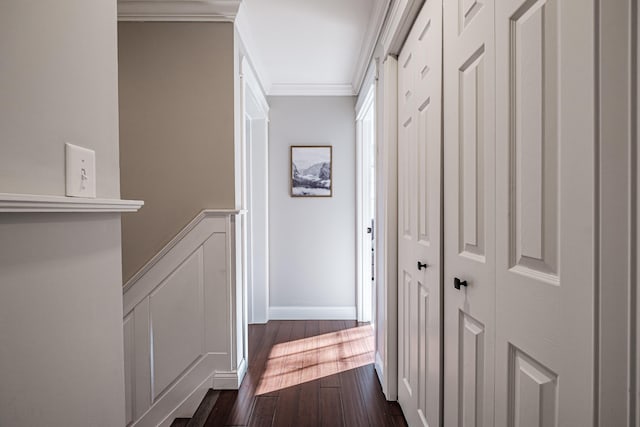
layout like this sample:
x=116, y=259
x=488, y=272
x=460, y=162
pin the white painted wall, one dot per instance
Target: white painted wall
x=61, y=352
x=312, y=240
x=59, y=83
x=61, y=358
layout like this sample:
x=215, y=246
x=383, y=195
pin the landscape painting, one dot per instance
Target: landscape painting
x=311, y=171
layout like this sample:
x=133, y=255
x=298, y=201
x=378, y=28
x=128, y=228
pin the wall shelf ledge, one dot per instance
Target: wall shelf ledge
x=13, y=202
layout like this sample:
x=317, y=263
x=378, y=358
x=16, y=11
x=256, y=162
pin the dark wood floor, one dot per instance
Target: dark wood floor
x=308, y=373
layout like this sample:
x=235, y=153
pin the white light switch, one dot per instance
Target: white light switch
x=81, y=171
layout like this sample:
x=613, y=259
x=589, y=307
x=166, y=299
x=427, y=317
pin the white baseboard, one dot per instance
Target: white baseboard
x=230, y=380
x=379, y=366
x=312, y=313
x=180, y=397
x=190, y=404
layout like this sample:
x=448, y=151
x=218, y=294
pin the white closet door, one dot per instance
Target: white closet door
x=469, y=212
x=545, y=210
x=419, y=221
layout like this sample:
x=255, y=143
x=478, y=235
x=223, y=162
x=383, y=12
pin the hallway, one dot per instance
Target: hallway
x=308, y=373
x=334, y=213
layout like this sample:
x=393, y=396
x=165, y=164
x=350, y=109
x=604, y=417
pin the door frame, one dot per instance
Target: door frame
x=386, y=356
x=398, y=22
x=364, y=292
x=255, y=118
x=618, y=261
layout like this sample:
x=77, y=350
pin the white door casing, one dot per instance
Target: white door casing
x=365, y=155
x=469, y=212
x=255, y=187
x=419, y=220
x=545, y=209
x=387, y=237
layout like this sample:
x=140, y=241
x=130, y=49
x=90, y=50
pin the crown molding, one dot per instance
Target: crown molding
x=398, y=23
x=178, y=10
x=312, y=89
x=374, y=28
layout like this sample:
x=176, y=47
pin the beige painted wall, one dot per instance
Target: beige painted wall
x=176, y=129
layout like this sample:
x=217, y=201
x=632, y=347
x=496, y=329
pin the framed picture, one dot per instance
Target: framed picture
x=311, y=171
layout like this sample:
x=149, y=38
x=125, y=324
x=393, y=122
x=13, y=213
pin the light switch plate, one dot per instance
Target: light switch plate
x=81, y=171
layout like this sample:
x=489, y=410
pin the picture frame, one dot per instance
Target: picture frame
x=311, y=173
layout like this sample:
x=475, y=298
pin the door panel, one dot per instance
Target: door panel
x=545, y=210
x=419, y=159
x=469, y=207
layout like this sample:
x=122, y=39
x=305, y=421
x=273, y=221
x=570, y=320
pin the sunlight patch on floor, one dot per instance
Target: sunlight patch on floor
x=296, y=362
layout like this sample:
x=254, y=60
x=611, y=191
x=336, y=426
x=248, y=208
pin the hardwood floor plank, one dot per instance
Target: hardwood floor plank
x=271, y=380
x=398, y=421
x=330, y=402
x=360, y=343
x=263, y=411
x=260, y=343
x=308, y=403
x=394, y=408
x=287, y=408
x=375, y=403
x=204, y=409
x=310, y=368
x=353, y=407
x=328, y=357
x=220, y=412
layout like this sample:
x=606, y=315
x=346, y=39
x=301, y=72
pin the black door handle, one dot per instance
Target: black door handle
x=457, y=283
x=422, y=265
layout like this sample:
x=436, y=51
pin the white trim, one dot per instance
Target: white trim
x=387, y=225
x=255, y=110
x=287, y=89
x=171, y=404
x=188, y=407
x=379, y=367
x=178, y=10
x=230, y=380
x=177, y=239
x=369, y=80
x=10, y=202
x=364, y=292
x=399, y=21
x=204, y=264
x=617, y=192
x=359, y=221
x=312, y=313
x=369, y=43
x=366, y=102
x=252, y=83
x=245, y=36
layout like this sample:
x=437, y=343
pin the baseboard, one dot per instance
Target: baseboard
x=179, y=397
x=190, y=404
x=312, y=313
x=230, y=380
x=379, y=366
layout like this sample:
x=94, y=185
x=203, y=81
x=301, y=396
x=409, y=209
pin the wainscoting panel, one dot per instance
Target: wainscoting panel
x=178, y=328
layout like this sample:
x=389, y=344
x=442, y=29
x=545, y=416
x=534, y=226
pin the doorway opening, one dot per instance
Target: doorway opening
x=366, y=206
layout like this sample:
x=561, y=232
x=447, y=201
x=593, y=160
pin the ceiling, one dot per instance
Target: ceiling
x=310, y=47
